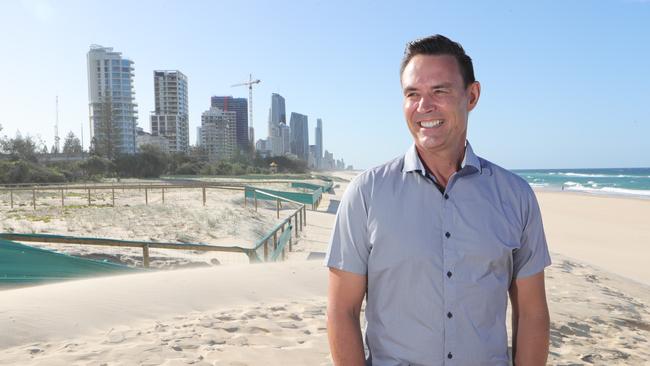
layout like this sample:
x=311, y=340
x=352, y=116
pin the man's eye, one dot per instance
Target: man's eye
x=411, y=95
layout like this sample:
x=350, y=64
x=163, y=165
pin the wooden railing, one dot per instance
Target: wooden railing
x=59, y=239
x=299, y=217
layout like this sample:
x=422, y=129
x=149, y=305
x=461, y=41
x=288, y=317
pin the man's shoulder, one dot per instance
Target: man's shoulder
x=370, y=176
x=505, y=178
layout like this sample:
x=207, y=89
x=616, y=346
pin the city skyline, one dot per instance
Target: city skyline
x=562, y=82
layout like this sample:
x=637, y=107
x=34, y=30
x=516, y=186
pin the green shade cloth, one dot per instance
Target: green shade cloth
x=325, y=187
x=20, y=263
x=305, y=198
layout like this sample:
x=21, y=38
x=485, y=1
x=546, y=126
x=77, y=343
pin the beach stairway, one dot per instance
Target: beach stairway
x=314, y=239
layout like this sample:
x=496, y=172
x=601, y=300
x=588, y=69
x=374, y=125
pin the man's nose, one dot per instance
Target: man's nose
x=426, y=104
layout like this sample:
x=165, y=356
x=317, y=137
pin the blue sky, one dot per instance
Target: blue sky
x=565, y=83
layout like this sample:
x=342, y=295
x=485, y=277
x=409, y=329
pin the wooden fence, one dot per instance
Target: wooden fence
x=297, y=220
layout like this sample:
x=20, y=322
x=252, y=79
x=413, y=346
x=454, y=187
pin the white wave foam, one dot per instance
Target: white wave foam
x=583, y=175
x=610, y=190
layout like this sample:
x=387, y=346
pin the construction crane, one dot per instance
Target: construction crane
x=250, y=83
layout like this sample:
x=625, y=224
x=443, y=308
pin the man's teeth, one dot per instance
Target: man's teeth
x=430, y=124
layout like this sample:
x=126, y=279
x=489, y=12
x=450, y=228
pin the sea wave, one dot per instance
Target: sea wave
x=608, y=190
x=584, y=175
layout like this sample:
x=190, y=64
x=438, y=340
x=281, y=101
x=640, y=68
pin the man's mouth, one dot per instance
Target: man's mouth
x=431, y=124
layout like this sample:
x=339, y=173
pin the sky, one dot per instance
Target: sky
x=565, y=83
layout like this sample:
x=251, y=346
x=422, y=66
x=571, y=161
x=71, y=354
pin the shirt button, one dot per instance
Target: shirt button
x=449, y=355
x=449, y=315
x=446, y=196
x=447, y=234
x=449, y=274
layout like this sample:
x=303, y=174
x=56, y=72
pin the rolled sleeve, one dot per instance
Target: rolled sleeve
x=349, y=247
x=533, y=256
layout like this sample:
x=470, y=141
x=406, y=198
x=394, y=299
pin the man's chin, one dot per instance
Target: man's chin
x=429, y=144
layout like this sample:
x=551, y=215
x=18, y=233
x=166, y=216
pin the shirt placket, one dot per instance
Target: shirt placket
x=449, y=289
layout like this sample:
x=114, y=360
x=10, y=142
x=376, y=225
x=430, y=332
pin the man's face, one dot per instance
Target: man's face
x=436, y=103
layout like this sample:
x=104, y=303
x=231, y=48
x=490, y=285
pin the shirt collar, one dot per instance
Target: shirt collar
x=470, y=164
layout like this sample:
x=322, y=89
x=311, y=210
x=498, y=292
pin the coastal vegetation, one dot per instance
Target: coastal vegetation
x=25, y=159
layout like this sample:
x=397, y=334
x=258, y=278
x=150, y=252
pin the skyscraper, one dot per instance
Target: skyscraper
x=319, y=142
x=299, y=135
x=111, y=102
x=219, y=133
x=277, y=115
x=240, y=106
x=171, y=117
x=284, y=142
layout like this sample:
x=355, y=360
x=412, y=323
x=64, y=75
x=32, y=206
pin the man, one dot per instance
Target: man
x=437, y=239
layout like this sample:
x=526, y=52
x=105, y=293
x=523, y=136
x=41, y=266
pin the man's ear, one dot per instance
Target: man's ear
x=474, y=91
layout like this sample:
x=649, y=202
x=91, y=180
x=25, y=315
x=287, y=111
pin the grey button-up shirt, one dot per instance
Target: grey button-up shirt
x=439, y=265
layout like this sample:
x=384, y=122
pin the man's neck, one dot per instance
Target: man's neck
x=443, y=164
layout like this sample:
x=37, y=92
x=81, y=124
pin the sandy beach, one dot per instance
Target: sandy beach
x=274, y=314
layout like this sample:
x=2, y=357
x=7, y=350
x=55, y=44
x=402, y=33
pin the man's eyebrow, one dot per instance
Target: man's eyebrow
x=409, y=89
x=442, y=86
x=445, y=85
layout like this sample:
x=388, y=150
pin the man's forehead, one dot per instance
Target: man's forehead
x=431, y=68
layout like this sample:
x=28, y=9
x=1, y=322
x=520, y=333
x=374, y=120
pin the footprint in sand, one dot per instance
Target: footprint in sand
x=255, y=330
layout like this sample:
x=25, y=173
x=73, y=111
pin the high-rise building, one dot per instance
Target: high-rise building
x=262, y=147
x=277, y=116
x=284, y=141
x=319, y=142
x=328, y=160
x=311, y=160
x=144, y=138
x=111, y=102
x=219, y=133
x=240, y=106
x=170, y=119
x=299, y=135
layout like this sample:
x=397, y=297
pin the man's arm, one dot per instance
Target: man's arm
x=530, y=321
x=345, y=296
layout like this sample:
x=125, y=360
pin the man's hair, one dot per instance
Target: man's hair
x=437, y=45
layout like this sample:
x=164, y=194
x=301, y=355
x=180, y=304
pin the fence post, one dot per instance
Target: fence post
x=277, y=207
x=245, y=199
x=203, y=195
x=163, y=194
x=34, y=197
x=145, y=255
x=113, y=196
x=300, y=214
x=290, y=241
x=88, y=196
x=305, y=218
x=282, y=232
x=62, y=204
x=296, y=224
x=275, y=240
x=266, y=250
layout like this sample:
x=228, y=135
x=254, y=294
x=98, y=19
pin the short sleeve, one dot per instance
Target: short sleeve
x=532, y=256
x=349, y=246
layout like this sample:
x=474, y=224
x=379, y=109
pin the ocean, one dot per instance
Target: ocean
x=610, y=181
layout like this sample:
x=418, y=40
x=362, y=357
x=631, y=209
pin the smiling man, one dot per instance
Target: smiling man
x=437, y=239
